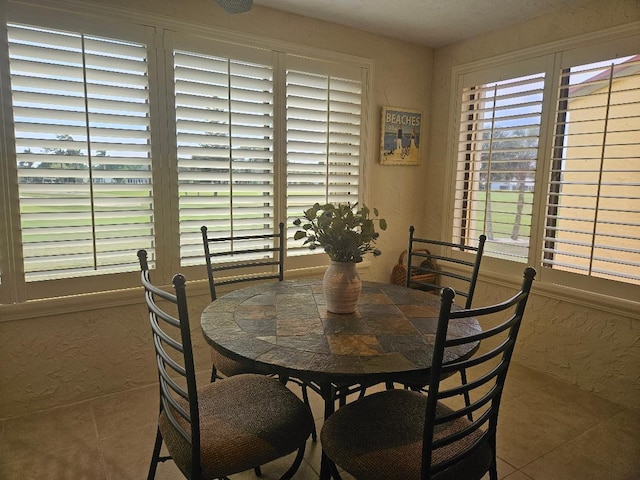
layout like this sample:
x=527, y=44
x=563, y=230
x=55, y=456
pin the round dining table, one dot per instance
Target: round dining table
x=284, y=328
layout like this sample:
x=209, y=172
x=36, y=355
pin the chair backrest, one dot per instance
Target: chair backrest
x=261, y=256
x=174, y=358
x=427, y=263
x=486, y=371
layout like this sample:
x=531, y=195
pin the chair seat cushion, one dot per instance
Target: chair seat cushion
x=228, y=367
x=245, y=421
x=380, y=437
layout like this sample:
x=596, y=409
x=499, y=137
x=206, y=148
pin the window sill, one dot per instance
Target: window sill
x=51, y=307
x=585, y=298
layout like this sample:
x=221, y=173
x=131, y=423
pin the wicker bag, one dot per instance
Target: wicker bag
x=399, y=272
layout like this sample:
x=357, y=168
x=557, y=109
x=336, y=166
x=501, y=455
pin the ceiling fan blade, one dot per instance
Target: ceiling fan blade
x=235, y=6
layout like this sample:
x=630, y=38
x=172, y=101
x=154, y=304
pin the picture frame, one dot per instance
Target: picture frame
x=400, y=136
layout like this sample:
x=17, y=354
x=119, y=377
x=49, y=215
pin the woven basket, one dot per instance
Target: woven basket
x=399, y=272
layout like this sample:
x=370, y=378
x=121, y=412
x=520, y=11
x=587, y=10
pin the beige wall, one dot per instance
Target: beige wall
x=58, y=359
x=597, y=350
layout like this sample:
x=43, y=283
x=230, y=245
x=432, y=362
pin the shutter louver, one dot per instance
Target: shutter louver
x=593, y=208
x=83, y=151
x=224, y=125
x=497, y=157
x=323, y=144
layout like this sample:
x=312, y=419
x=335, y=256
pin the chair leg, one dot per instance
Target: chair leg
x=333, y=470
x=214, y=373
x=493, y=468
x=258, y=471
x=156, y=456
x=493, y=472
x=305, y=399
x=296, y=464
x=389, y=385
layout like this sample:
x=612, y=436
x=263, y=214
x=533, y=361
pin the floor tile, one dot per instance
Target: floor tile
x=518, y=475
x=504, y=468
x=123, y=412
x=76, y=464
x=128, y=456
x=548, y=430
x=534, y=423
x=522, y=379
x=609, y=450
x=275, y=469
x=57, y=444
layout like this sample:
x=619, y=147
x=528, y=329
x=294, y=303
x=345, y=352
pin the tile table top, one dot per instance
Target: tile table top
x=284, y=328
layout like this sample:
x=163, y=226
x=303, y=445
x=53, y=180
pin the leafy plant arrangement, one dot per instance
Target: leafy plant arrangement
x=346, y=232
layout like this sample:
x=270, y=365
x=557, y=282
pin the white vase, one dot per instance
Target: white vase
x=342, y=287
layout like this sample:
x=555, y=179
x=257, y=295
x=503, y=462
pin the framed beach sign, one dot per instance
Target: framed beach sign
x=401, y=137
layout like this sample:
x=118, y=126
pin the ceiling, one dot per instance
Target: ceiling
x=434, y=23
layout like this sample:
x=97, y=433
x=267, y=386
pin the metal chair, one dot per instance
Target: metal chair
x=428, y=276
x=253, y=258
x=401, y=434
x=261, y=256
x=228, y=426
x=442, y=264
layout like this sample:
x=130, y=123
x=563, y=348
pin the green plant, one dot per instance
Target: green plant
x=345, y=231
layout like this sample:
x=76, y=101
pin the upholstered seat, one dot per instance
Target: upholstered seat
x=390, y=447
x=243, y=419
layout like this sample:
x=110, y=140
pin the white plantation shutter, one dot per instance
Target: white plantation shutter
x=497, y=159
x=324, y=119
x=83, y=151
x=224, y=124
x=593, y=207
x=131, y=135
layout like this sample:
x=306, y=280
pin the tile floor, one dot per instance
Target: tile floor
x=548, y=430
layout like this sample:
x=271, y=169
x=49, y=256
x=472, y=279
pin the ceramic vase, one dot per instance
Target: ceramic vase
x=342, y=287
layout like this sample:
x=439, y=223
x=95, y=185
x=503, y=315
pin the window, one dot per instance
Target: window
x=592, y=221
x=83, y=151
x=131, y=136
x=224, y=123
x=80, y=105
x=323, y=143
x=497, y=159
x=548, y=166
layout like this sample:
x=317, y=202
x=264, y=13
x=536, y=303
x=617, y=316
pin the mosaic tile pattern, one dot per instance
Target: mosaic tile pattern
x=284, y=328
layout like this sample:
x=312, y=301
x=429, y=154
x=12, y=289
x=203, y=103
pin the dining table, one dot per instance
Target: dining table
x=284, y=328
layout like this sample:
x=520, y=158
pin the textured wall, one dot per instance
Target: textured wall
x=56, y=360
x=596, y=350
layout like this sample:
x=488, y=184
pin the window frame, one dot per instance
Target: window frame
x=96, y=19
x=595, y=292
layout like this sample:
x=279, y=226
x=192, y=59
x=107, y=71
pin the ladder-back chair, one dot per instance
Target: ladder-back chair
x=225, y=427
x=402, y=434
